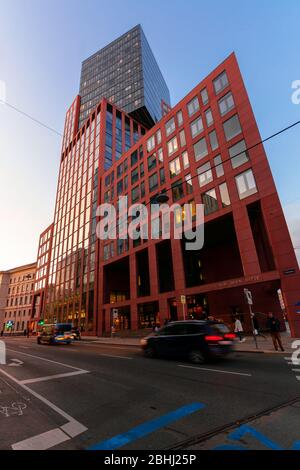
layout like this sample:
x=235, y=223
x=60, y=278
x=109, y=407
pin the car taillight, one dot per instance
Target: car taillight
x=213, y=338
x=230, y=336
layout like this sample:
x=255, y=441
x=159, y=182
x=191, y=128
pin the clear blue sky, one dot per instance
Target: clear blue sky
x=42, y=44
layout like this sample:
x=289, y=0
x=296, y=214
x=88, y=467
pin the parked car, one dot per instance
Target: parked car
x=76, y=333
x=55, y=333
x=195, y=340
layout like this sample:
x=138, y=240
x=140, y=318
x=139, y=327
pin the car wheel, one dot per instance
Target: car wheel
x=196, y=357
x=150, y=352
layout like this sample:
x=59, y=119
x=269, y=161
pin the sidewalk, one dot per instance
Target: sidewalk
x=265, y=345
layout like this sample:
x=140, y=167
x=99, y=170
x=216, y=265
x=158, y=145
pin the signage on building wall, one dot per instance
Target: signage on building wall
x=183, y=299
x=115, y=313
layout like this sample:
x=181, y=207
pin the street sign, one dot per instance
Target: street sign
x=183, y=299
x=248, y=296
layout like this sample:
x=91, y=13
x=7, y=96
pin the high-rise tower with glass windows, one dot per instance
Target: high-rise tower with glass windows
x=126, y=73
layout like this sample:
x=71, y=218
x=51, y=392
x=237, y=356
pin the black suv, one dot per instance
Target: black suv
x=193, y=339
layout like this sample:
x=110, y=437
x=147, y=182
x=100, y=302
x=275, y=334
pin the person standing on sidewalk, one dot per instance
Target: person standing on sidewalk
x=238, y=329
x=273, y=325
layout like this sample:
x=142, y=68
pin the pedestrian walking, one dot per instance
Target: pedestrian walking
x=238, y=329
x=273, y=325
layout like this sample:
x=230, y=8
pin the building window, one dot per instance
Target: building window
x=200, y=149
x=158, y=136
x=246, y=184
x=170, y=126
x=225, y=199
x=205, y=175
x=226, y=104
x=177, y=190
x=150, y=144
x=182, y=138
x=179, y=118
x=218, y=166
x=134, y=175
x=172, y=146
x=135, y=194
x=232, y=127
x=238, y=154
x=197, y=127
x=213, y=140
x=220, y=82
x=119, y=187
x=175, y=167
x=160, y=155
x=153, y=182
x=162, y=176
x=151, y=162
x=210, y=202
x=188, y=184
x=209, y=117
x=134, y=158
x=185, y=160
x=193, y=106
x=204, y=96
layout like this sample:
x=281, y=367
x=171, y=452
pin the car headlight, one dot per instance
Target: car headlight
x=144, y=342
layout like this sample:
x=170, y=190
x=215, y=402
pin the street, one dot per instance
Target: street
x=95, y=396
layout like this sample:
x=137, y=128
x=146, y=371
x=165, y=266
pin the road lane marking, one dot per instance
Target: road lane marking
x=215, y=370
x=72, y=427
x=42, y=441
x=45, y=359
x=118, y=357
x=54, y=376
x=147, y=428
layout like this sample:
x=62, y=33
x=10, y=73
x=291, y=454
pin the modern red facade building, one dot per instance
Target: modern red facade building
x=203, y=151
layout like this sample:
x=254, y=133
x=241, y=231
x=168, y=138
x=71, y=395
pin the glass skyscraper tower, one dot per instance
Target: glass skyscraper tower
x=126, y=73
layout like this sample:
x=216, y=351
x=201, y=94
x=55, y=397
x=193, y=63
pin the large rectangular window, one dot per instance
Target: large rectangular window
x=204, y=174
x=238, y=154
x=210, y=202
x=221, y=82
x=246, y=184
x=193, y=106
x=170, y=126
x=200, y=149
x=226, y=104
x=175, y=167
x=172, y=146
x=197, y=127
x=232, y=127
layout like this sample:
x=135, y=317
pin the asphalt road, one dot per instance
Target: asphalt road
x=90, y=395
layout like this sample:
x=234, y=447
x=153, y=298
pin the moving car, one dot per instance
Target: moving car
x=55, y=333
x=195, y=340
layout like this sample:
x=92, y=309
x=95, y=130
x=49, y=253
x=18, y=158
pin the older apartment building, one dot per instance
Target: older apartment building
x=16, y=294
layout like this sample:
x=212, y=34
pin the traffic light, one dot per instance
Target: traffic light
x=41, y=323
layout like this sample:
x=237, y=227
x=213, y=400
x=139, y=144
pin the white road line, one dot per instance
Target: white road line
x=72, y=427
x=52, y=377
x=42, y=441
x=118, y=357
x=216, y=370
x=45, y=359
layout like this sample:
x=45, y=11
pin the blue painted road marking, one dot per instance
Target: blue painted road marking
x=147, y=428
x=240, y=432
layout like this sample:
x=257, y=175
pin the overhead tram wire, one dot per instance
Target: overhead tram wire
x=37, y=121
